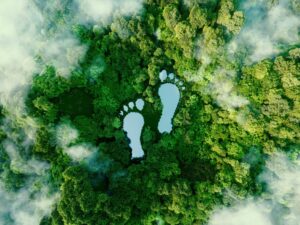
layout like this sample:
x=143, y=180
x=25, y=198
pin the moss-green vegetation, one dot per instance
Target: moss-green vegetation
x=76, y=102
x=214, y=146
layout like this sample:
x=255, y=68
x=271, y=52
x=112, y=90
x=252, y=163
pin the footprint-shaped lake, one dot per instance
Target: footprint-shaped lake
x=169, y=93
x=133, y=124
x=133, y=121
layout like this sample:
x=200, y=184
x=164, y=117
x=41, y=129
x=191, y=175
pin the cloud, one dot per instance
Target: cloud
x=80, y=152
x=18, y=33
x=90, y=156
x=33, y=198
x=249, y=213
x=66, y=134
x=26, y=206
x=103, y=11
x=30, y=37
x=63, y=51
x=19, y=165
x=29, y=30
x=283, y=179
x=226, y=97
x=278, y=206
x=67, y=137
x=25, y=34
x=267, y=29
x=23, y=37
x=222, y=88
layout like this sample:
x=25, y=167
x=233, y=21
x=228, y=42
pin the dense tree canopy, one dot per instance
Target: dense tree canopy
x=212, y=148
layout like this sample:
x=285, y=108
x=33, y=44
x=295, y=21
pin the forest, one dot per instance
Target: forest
x=66, y=148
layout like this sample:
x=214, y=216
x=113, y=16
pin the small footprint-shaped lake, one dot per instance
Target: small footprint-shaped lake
x=169, y=94
x=133, y=124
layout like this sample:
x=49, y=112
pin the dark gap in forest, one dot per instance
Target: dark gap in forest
x=76, y=102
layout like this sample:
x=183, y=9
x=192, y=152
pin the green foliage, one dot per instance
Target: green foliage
x=49, y=84
x=171, y=16
x=88, y=128
x=211, y=149
x=198, y=17
x=46, y=109
x=228, y=17
x=76, y=102
x=43, y=142
x=185, y=34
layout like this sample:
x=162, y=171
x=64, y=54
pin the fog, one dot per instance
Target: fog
x=25, y=194
x=278, y=206
x=222, y=88
x=30, y=38
x=104, y=11
x=268, y=30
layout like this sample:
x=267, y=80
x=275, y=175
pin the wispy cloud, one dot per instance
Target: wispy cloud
x=26, y=206
x=66, y=133
x=26, y=34
x=33, y=198
x=267, y=30
x=278, y=206
x=103, y=11
x=222, y=88
x=23, y=37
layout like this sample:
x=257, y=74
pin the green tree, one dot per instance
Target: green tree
x=198, y=17
x=50, y=84
x=228, y=17
x=171, y=16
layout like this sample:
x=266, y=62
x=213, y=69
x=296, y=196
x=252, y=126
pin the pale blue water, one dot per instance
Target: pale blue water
x=169, y=95
x=133, y=124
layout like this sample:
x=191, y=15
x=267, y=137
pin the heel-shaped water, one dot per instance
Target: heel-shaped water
x=169, y=94
x=133, y=124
